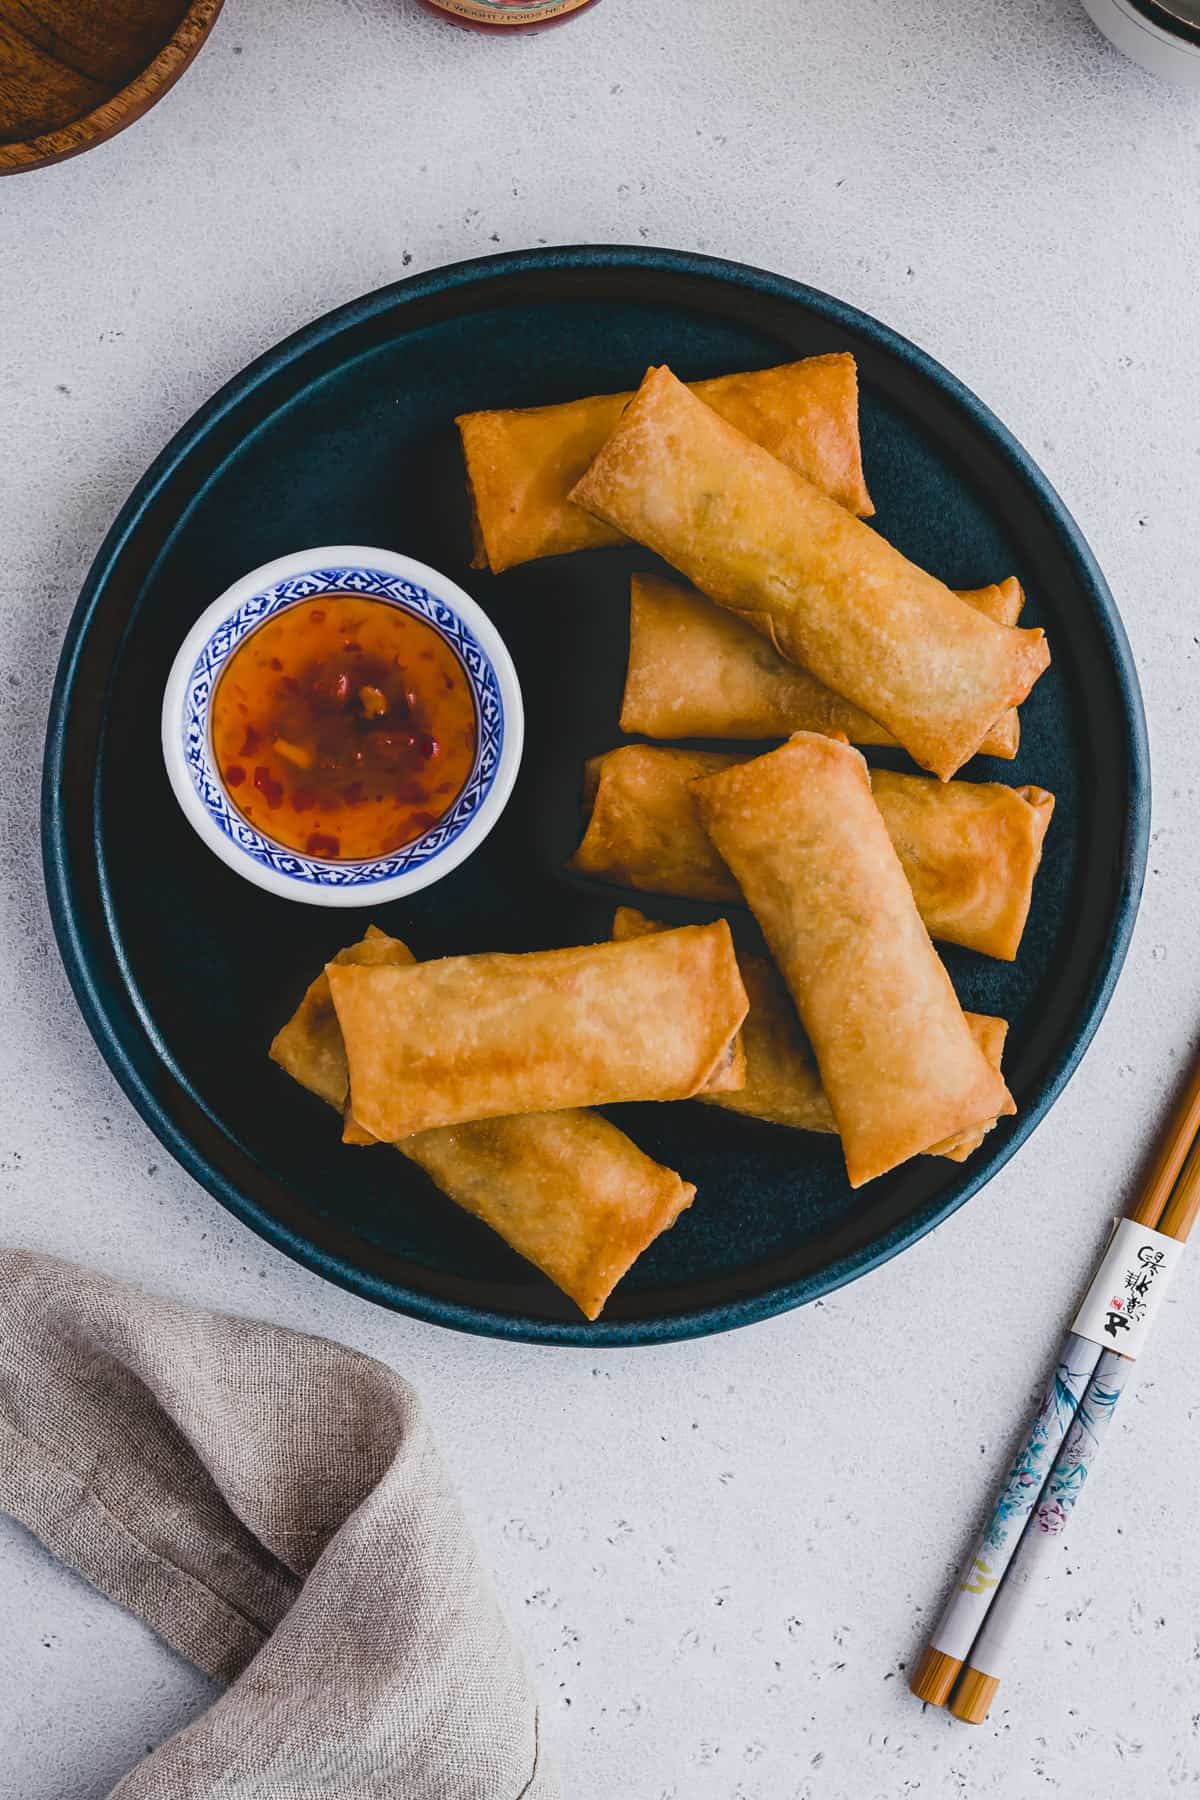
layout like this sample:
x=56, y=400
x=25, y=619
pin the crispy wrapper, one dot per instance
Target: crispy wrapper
x=478, y=1037
x=522, y=465
x=697, y=670
x=828, y=592
x=643, y=829
x=310, y=1046
x=898, y=1062
x=567, y=1190
x=970, y=849
x=783, y=1083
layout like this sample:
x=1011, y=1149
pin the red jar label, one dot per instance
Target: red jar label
x=508, y=12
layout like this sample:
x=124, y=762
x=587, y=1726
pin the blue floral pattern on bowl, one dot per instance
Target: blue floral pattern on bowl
x=373, y=584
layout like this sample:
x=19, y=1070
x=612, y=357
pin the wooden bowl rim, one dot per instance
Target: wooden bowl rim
x=128, y=104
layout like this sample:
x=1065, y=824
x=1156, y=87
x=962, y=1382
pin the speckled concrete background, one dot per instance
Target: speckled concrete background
x=719, y=1555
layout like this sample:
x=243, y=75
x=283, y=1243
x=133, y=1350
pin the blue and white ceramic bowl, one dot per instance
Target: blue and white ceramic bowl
x=376, y=575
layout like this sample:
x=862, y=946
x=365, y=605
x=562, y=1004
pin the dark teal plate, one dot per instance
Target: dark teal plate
x=344, y=435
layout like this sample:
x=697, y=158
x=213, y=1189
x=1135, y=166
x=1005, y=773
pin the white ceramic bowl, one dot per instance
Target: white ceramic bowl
x=1170, y=54
x=290, y=581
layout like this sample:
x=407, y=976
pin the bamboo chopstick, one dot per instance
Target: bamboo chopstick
x=1033, y=1562
x=1183, y=1208
x=971, y=1596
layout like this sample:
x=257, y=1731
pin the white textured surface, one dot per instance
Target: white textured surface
x=720, y=1555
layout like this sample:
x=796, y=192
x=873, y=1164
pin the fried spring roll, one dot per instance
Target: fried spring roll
x=696, y=670
x=970, y=849
x=801, y=832
x=783, y=1084
x=827, y=591
x=478, y=1037
x=310, y=1046
x=522, y=465
x=644, y=831
x=566, y=1190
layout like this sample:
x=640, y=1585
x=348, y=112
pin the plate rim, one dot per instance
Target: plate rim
x=698, y=1321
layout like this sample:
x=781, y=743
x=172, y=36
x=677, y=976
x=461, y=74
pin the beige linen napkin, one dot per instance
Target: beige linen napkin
x=273, y=1506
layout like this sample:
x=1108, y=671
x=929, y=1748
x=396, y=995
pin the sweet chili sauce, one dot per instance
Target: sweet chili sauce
x=507, y=15
x=343, y=728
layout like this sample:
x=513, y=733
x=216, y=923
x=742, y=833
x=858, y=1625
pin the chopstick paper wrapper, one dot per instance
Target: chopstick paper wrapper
x=1120, y=1305
x=1127, y=1289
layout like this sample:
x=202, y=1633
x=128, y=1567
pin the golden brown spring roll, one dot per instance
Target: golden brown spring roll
x=522, y=465
x=970, y=849
x=566, y=1190
x=802, y=833
x=826, y=590
x=644, y=831
x=478, y=1037
x=783, y=1084
x=696, y=670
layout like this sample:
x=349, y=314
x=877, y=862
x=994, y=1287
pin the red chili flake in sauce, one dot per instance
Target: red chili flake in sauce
x=270, y=789
x=358, y=757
